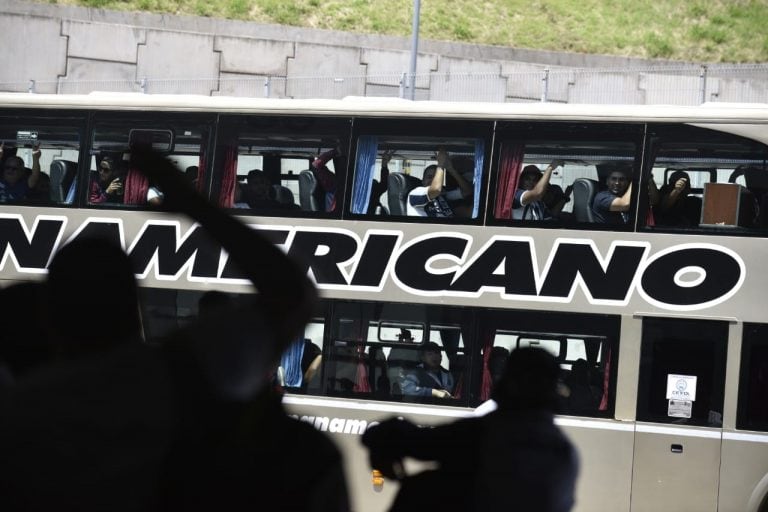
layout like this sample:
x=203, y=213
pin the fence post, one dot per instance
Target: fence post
x=703, y=84
x=401, y=94
x=143, y=85
x=545, y=86
x=31, y=87
x=267, y=85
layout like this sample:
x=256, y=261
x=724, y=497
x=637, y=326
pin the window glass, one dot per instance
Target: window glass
x=282, y=166
x=566, y=173
x=393, y=176
x=753, y=386
x=682, y=372
x=397, y=352
x=708, y=179
x=39, y=161
x=112, y=180
x=585, y=375
x=420, y=168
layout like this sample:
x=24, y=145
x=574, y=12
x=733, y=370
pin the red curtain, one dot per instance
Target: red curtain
x=228, y=177
x=510, y=164
x=135, y=188
x=200, y=183
x=362, y=384
x=606, y=382
x=486, y=385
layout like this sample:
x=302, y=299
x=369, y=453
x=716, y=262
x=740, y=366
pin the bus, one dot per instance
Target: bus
x=656, y=321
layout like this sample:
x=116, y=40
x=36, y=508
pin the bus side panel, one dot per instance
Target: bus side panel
x=605, y=465
x=676, y=471
x=743, y=474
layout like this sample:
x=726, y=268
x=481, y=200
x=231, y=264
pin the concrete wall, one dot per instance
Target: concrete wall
x=78, y=50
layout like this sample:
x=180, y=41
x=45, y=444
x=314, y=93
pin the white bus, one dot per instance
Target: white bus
x=657, y=321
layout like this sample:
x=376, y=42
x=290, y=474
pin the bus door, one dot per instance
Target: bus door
x=679, y=415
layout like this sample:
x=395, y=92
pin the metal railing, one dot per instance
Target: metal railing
x=676, y=85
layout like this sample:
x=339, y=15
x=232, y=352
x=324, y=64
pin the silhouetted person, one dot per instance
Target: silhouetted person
x=24, y=342
x=123, y=426
x=514, y=458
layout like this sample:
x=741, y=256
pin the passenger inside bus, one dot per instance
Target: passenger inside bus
x=432, y=199
x=259, y=194
x=583, y=396
x=677, y=207
x=15, y=182
x=611, y=206
x=429, y=378
x=528, y=203
x=107, y=185
x=325, y=178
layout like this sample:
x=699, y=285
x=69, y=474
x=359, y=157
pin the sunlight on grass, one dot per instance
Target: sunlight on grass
x=692, y=30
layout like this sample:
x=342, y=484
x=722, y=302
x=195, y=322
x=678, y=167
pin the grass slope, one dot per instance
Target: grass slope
x=690, y=30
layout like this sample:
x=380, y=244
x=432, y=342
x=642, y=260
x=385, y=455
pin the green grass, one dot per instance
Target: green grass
x=688, y=30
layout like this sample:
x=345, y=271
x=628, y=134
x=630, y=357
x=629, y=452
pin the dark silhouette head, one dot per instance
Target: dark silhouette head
x=497, y=362
x=212, y=303
x=92, y=297
x=529, y=381
x=259, y=186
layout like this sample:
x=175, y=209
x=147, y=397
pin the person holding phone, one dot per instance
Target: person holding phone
x=107, y=187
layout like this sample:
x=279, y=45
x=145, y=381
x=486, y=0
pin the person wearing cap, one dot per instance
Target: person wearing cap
x=108, y=186
x=429, y=378
x=513, y=458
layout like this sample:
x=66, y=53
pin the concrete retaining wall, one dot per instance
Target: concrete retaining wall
x=74, y=49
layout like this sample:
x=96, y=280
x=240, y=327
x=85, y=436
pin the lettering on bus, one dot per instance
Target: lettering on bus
x=335, y=425
x=682, y=277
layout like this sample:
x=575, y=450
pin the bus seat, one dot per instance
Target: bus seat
x=62, y=175
x=284, y=195
x=400, y=360
x=308, y=188
x=398, y=187
x=584, y=191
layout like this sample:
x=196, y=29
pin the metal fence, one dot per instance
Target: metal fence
x=672, y=85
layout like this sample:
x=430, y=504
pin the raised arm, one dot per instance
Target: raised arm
x=621, y=204
x=537, y=192
x=285, y=299
x=464, y=185
x=34, y=176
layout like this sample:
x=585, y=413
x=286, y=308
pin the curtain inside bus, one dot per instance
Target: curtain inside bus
x=510, y=165
x=367, y=147
x=479, y=159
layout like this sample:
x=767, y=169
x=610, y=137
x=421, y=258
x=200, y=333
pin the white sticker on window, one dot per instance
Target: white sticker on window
x=681, y=387
x=679, y=408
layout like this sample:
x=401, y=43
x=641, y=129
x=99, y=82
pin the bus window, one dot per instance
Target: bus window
x=584, y=373
x=682, y=371
x=111, y=179
x=584, y=347
x=556, y=173
x=38, y=161
x=376, y=349
x=299, y=369
x=390, y=173
x=282, y=166
x=708, y=179
x=753, y=387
